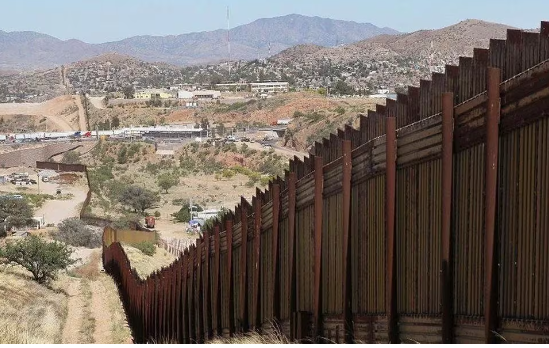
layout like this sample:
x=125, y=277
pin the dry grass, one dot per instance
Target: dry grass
x=87, y=327
x=120, y=331
x=31, y=313
x=89, y=270
x=272, y=337
x=145, y=265
x=252, y=338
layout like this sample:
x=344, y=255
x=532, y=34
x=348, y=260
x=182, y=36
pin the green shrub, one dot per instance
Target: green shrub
x=43, y=259
x=147, y=248
x=73, y=231
x=340, y=110
x=71, y=157
x=122, y=155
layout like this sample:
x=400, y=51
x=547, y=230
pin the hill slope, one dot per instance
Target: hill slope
x=382, y=61
x=23, y=50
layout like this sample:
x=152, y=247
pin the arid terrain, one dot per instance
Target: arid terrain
x=59, y=114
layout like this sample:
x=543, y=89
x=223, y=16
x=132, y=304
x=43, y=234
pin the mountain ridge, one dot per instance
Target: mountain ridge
x=31, y=50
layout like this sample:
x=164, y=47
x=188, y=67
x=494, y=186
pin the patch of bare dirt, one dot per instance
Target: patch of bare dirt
x=61, y=113
x=74, y=316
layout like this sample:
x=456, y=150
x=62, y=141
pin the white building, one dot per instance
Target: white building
x=207, y=94
x=185, y=94
x=269, y=87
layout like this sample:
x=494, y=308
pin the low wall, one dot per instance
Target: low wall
x=29, y=157
x=61, y=167
x=111, y=235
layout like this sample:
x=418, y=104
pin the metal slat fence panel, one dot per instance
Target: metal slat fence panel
x=494, y=238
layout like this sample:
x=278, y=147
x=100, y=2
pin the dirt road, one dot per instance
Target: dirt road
x=50, y=109
x=82, y=122
x=56, y=210
x=97, y=102
x=278, y=149
x=95, y=312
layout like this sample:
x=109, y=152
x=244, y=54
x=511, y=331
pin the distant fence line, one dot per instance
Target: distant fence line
x=427, y=224
x=84, y=213
x=175, y=246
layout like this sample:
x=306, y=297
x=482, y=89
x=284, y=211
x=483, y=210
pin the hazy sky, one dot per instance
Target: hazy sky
x=97, y=21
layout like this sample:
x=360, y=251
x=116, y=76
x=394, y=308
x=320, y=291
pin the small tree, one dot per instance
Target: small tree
x=129, y=221
x=15, y=212
x=128, y=92
x=220, y=129
x=138, y=198
x=74, y=231
x=43, y=259
x=115, y=123
x=167, y=181
x=71, y=157
x=183, y=215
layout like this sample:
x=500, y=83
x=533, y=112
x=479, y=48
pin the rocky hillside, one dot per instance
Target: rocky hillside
x=24, y=50
x=384, y=61
x=113, y=72
x=387, y=61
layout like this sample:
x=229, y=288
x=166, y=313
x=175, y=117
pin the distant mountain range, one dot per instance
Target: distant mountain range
x=259, y=39
x=385, y=61
x=379, y=62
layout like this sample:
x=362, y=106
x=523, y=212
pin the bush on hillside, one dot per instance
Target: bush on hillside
x=138, y=198
x=166, y=181
x=15, y=212
x=147, y=248
x=75, y=232
x=128, y=222
x=71, y=157
x=43, y=259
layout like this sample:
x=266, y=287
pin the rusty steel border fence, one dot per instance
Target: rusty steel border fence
x=429, y=223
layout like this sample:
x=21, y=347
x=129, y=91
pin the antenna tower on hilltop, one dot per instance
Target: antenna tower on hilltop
x=229, y=41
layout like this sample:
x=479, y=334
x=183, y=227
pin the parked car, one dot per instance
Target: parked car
x=45, y=179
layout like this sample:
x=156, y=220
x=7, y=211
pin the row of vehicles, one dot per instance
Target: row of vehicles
x=38, y=137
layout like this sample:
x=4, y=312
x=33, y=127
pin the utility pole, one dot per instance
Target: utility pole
x=229, y=41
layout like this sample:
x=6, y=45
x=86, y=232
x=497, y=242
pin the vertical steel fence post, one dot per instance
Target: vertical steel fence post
x=291, y=283
x=258, y=202
x=243, y=264
x=318, y=200
x=216, y=325
x=447, y=170
x=390, y=227
x=275, y=283
x=492, y=135
x=206, y=290
x=230, y=306
x=346, y=230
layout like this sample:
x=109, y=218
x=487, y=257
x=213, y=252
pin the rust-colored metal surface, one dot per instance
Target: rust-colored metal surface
x=428, y=224
x=446, y=225
x=492, y=120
